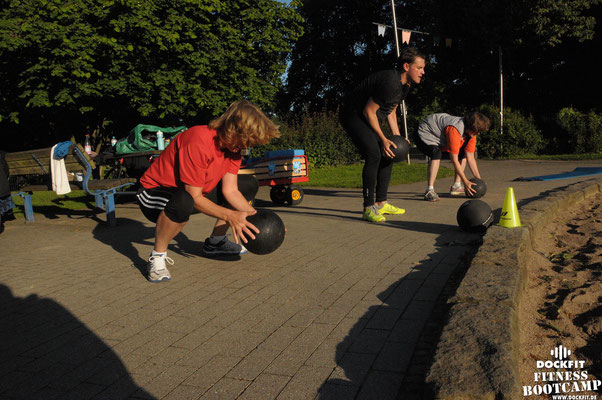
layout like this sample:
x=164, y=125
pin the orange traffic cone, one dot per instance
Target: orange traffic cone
x=509, y=217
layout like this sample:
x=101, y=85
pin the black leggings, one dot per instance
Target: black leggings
x=376, y=174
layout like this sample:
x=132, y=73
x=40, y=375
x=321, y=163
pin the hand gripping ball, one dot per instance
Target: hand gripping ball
x=402, y=150
x=480, y=187
x=271, y=232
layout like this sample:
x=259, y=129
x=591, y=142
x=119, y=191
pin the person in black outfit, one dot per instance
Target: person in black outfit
x=376, y=98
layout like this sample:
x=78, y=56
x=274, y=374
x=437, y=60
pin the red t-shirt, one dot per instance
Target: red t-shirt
x=455, y=141
x=192, y=158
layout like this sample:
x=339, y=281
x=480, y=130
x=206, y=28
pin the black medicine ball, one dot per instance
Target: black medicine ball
x=271, y=232
x=474, y=216
x=480, y=187
x=402, y=150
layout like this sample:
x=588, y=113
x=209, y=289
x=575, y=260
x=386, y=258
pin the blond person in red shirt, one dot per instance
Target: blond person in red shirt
x=198, y=173
x=442, y=132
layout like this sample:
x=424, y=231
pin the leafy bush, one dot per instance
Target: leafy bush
x=519, y=137
x=584, y=131
x=326, y=143
x=415, y=117
x=320, y=135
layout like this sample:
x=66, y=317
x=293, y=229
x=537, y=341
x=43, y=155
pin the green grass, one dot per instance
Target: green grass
x=345, y=176
x=350, y=176
x=48, y=202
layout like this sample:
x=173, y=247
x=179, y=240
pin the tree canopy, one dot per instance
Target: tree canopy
x=546, y=46
x=69, y=67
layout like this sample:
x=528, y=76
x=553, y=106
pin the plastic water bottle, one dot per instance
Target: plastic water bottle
x=160, y=141
x=87, y=145
x=113, y=141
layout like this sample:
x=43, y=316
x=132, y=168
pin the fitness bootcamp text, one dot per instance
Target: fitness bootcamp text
x=562, y=379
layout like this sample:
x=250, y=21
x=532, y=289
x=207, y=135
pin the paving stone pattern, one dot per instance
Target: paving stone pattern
x=338, y=312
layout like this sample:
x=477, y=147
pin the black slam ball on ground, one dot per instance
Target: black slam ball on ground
x=402, y=150
x=474, y=216
x=271, y=232
x=480, y=188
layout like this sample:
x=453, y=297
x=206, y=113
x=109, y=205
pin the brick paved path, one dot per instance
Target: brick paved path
x=335, y=313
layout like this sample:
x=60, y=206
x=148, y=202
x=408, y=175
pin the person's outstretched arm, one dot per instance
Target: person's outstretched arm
x=472, y=164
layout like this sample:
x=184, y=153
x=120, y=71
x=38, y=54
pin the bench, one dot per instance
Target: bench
x=77, y=162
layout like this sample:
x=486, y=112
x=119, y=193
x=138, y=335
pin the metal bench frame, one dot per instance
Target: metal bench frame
x=104, y=197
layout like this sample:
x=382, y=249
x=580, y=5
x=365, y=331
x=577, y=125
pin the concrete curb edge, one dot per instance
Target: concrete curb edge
x=477, y=353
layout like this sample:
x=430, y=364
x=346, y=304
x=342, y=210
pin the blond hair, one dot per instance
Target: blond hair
x=244, y=125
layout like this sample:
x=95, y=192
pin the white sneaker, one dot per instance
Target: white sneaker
x=431, y=195
x=457, y=191
x=157, y=271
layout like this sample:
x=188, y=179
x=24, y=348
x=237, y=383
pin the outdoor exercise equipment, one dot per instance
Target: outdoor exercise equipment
x=402, y=150
x=474, y=216
x=480, y=188
x=271, y=232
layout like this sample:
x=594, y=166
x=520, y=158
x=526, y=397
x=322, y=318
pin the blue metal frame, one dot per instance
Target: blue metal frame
x=104, y=199
x=9, y=204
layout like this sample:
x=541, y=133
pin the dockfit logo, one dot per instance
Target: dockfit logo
x=561, y=376
x=560, y=352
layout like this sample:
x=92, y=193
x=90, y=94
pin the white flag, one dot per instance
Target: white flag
x=381, y=30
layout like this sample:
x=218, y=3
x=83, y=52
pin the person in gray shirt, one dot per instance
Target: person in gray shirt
x=442, y=132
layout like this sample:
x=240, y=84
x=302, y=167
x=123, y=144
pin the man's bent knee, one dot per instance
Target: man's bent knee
x=179, y=207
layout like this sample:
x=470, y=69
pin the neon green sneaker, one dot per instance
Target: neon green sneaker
x=389, y=209
x=370, y=215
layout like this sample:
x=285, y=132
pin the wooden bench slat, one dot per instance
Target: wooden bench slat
x=94, y=184
x=26, y=155
x=37, y=162
x=23, y=162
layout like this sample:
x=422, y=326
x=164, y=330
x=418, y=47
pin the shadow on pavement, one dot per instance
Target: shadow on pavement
x=351, y=193
x=388, y=352
x=47, y=353
x=426, y=227
x=357, y=193
x=357, y=216
x=129, y=232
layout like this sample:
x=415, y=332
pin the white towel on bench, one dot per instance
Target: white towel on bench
x=60, y=180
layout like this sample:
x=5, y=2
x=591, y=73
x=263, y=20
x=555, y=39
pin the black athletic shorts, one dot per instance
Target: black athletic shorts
x=435, y=152
x=153, y=201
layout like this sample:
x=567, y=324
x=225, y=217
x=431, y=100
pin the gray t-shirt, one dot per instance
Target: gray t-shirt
x=432, y=129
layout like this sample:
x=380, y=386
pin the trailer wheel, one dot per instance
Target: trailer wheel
x=294, y=195
x=278, y=194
